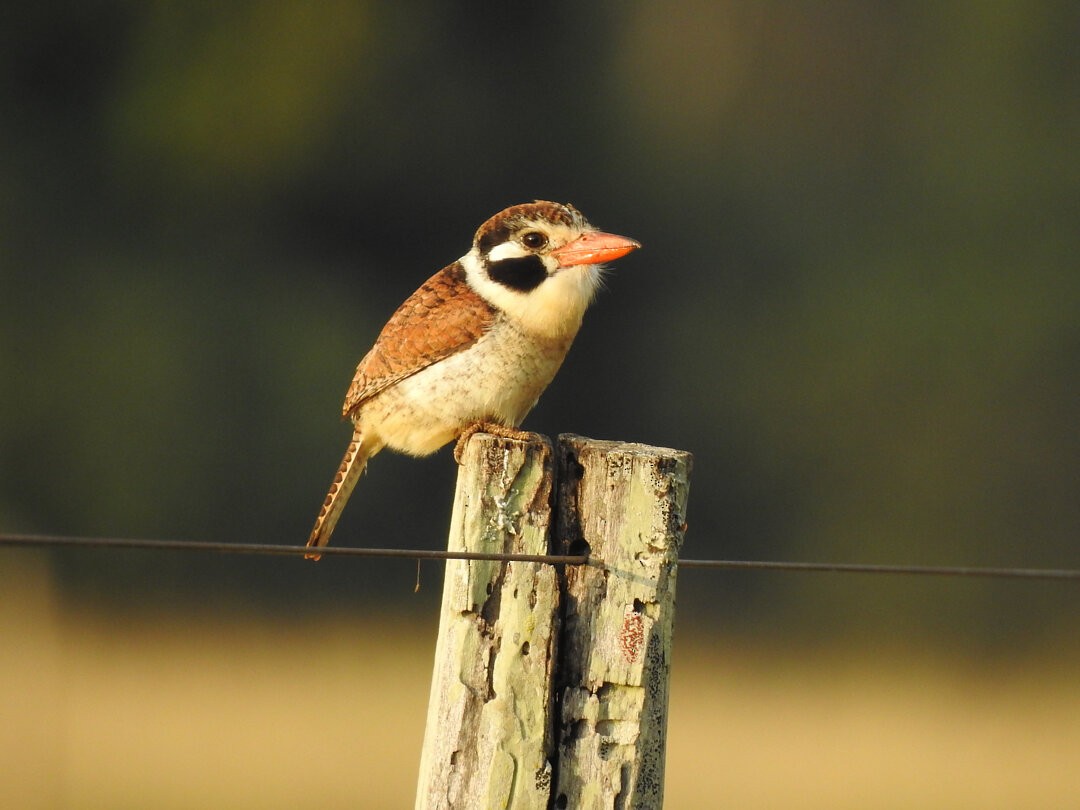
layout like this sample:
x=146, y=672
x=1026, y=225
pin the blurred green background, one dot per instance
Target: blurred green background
x=857, y=304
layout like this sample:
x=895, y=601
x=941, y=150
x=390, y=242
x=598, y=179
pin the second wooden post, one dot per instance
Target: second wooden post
x=625, y=505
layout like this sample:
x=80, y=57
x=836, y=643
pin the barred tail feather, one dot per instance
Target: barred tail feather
x=356, y=458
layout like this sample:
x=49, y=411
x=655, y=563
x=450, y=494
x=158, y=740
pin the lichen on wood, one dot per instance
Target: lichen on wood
x=489, y=725
x=626, y=505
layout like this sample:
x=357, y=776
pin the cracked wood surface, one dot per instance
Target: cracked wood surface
x=626, y=505
x=488, y=740
x=510, y=725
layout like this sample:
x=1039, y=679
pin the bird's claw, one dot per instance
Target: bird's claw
x=494, y=428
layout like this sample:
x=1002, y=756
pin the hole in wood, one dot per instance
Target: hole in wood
x=579, y=547
x=573, y=467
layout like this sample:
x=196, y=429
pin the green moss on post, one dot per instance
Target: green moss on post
x=626, y=505
x=488, y=738
x=509, y=725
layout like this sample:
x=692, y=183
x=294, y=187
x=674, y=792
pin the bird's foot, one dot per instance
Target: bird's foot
x=494, y=428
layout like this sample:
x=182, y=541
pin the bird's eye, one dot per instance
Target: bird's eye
x=533, y=240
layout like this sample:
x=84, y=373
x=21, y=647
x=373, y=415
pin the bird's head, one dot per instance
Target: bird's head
x=540, y=263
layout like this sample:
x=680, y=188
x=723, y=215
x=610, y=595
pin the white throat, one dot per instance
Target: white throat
x=552, y=310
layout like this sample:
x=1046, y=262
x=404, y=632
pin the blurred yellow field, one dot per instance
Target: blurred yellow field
x=115, y=711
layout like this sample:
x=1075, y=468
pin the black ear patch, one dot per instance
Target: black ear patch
x=523, y=273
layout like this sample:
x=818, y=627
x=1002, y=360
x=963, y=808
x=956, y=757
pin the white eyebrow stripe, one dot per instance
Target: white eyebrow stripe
x=507, y=250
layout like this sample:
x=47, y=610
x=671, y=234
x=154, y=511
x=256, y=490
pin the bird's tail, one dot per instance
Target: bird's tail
x=356, y=458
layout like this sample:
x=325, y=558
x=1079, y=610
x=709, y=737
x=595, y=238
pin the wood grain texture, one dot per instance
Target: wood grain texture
x=489, y=729
x=626, y=505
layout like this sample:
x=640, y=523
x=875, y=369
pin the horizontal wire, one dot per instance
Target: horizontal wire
x=867, y=568
x=281, y=550
x=41, y=540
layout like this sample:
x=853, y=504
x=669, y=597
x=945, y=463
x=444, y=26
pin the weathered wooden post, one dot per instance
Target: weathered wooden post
x=626, y=505
x=550, y=687
x=488, y=737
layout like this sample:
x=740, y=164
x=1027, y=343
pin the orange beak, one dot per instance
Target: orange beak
x=593, y=247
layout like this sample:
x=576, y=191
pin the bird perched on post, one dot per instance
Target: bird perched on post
x=476, y=345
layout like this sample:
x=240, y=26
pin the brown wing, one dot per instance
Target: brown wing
x=444, y=316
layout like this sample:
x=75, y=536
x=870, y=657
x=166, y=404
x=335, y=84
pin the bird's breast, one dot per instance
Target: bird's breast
x=500, y=378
